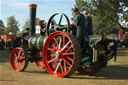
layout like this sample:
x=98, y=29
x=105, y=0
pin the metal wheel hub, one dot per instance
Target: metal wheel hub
x=58, y=54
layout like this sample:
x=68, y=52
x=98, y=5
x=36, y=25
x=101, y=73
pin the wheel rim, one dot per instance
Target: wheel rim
x=40, y=63
x=58, y=24
x=58, y=54
x=17, y=59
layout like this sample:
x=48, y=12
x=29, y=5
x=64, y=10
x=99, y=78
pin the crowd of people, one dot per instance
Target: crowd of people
x=4, y=45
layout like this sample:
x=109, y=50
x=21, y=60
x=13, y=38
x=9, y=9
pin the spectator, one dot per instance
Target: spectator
x=2, y=44
x=88, y=22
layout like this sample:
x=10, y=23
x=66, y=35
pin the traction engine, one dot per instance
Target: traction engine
x=58, y=51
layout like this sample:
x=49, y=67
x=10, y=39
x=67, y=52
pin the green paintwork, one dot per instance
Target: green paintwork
x=33, y=42
x=94, y=40
x=51, y=30
x=85, y=60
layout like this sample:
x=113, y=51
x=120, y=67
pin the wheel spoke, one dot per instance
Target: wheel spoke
x=60, y=20
x=51, y=49
x=69, y=48
x=52, y=60
x=69, y=58
x=15, y=61
x=22, y=54
x=22, y=65
x=61, y=67
x=55, y=63
x=21, y=58
x=71, y=53
x=67, y=62
x=60, y=42
x=64, y=66
x=63, y=40
x=17, y=65
x=19, y=52
x=54, y=46
x=56, y=41
x=57, y=67
x=52, y=54
x=65, y=45
x=16, y=56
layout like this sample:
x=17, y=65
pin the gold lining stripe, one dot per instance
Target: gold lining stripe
x=29, y=42
x=97, y=41
x=45, y=41
x=95, y=38
x=38, y=47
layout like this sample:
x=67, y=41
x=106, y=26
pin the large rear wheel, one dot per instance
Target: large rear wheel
x=61, y=54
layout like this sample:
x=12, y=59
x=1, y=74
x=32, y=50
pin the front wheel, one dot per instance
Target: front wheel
x=18, y=59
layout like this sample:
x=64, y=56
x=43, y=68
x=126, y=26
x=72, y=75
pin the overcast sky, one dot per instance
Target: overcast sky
x=20, y=9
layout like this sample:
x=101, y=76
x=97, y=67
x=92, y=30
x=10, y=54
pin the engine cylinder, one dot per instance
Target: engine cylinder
x=37, y=42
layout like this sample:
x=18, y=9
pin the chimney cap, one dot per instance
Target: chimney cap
x=32, y=5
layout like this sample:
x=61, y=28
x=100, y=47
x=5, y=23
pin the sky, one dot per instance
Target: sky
x=20, y=9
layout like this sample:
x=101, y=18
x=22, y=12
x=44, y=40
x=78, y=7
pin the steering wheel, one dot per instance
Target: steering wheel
x=58, y=23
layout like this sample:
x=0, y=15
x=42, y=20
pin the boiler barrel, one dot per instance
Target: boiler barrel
x=37, y=42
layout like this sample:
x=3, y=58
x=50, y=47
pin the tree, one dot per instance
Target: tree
x=27, y=23
x=12, y=25
x=107, y=14
x=1, y=26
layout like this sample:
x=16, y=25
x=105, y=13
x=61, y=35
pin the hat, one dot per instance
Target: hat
x=85, y=12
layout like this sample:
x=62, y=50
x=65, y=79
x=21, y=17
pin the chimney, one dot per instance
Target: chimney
x=32, y=18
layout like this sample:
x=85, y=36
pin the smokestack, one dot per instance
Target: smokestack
x=32, y=18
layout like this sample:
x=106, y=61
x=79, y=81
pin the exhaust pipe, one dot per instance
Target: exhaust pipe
x=32, y=18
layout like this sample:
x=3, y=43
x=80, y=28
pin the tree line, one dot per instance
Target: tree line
x=13, y=25
x=108, y=16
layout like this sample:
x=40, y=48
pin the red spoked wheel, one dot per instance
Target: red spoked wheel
x=61, y=54
x=40, y=63
x=18, y=59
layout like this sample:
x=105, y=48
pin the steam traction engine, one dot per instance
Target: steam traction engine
x=58, y=50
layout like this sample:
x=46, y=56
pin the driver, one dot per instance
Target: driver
x=79, y=23
x=26, y=34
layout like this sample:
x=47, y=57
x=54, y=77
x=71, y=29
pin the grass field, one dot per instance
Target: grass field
x=116, y=73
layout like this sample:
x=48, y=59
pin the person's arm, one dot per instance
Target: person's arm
x=74, y=23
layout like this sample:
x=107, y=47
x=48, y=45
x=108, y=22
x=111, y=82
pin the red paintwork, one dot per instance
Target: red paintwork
x=40, y=63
